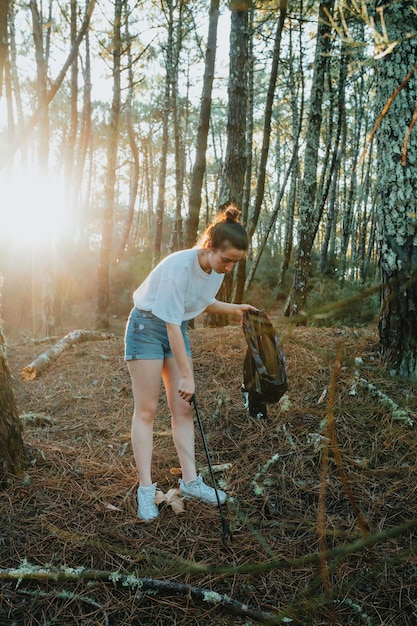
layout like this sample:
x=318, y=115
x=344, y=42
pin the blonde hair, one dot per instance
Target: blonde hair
x=225, y=231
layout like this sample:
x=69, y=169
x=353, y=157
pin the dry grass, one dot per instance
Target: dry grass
x=336, y=490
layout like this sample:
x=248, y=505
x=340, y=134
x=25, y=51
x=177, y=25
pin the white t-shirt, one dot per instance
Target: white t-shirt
x=178, y=289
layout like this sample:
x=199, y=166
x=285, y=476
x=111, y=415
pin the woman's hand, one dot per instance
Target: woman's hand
x=241, y=308
x=226, y=308
x=186, y=388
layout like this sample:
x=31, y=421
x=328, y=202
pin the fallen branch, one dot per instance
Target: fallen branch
x=26, y=571
x=44, y=360
x=403, y=415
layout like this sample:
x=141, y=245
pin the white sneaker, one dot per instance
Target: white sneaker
x=198, y=490
x=147, y=509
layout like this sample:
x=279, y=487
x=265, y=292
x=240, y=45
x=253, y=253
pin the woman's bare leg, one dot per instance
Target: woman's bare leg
x=182, y=420
x=146, y=386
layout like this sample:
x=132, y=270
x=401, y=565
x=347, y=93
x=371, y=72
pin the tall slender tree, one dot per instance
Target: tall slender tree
x=197, y=176
x=308, y=221
x=103, y=276
x=234, y=169
x=131, y=134
x=397, y=184
x=266, y=135
x=41, y=85
x=4, y=39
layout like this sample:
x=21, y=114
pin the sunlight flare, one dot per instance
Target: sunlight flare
x=34, y=210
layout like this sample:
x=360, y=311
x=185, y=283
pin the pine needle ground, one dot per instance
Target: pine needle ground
x=322, y=494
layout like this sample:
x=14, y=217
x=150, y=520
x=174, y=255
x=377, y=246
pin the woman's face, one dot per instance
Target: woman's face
x=223, y=260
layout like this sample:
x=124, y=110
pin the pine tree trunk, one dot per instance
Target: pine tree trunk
x=233, y=175
x=196, y=185
x=297, y=300
x=11, y=442
x=131, y=134
x=397, y=192
x=4, y=15
x=266, y=135
x=103, y=274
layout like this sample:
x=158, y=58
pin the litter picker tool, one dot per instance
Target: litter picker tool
x=226, y=533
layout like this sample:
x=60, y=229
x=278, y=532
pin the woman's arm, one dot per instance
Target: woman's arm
x=227, y=308
x=186, y=387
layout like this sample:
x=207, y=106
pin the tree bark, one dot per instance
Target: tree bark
x=176, y=241
x=297, y=299
x=197, y=177
x=103, y=275
x=233, y=175
x=11, y=441
x=266, y=135
x=41, y=85
x=79, y=188
x=131, y=134
x=4, y=38
x=397, y=191
x=160, y=205
x=339, y=145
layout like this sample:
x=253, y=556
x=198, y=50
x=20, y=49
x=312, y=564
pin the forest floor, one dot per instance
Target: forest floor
x=322, y=493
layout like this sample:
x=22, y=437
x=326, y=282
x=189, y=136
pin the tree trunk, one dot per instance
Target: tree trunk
x=196, y=184
x=11, y=442
x=273, y=217
x=131, y=134
x=176, y=241
x=266, y=135
x=397, y=191
x=103, y=277
x=80, y=190
x=41, y=86
x=233, y=175
x=240, y=272
x=4, y=38
x=160, y=206
x=339, y=145
x=296, y=88
x=297, y=299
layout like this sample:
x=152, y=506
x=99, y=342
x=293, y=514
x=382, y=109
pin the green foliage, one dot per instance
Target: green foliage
x=332, y=302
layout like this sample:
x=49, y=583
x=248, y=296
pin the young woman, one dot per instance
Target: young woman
x=178, y=289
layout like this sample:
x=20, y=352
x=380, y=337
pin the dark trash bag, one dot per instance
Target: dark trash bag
x=264, y=375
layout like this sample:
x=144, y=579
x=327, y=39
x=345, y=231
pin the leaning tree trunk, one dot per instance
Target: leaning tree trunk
x=11, y=442
x=397, y=190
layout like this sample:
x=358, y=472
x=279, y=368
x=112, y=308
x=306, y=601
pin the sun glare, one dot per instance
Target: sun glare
x=33, y=211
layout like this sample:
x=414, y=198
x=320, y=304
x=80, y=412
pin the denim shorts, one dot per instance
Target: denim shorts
x=146, y=337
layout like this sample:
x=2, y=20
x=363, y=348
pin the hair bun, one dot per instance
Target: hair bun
x=232, y=214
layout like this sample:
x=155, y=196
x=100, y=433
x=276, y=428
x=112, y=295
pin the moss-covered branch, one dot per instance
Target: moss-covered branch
x=138, y=584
